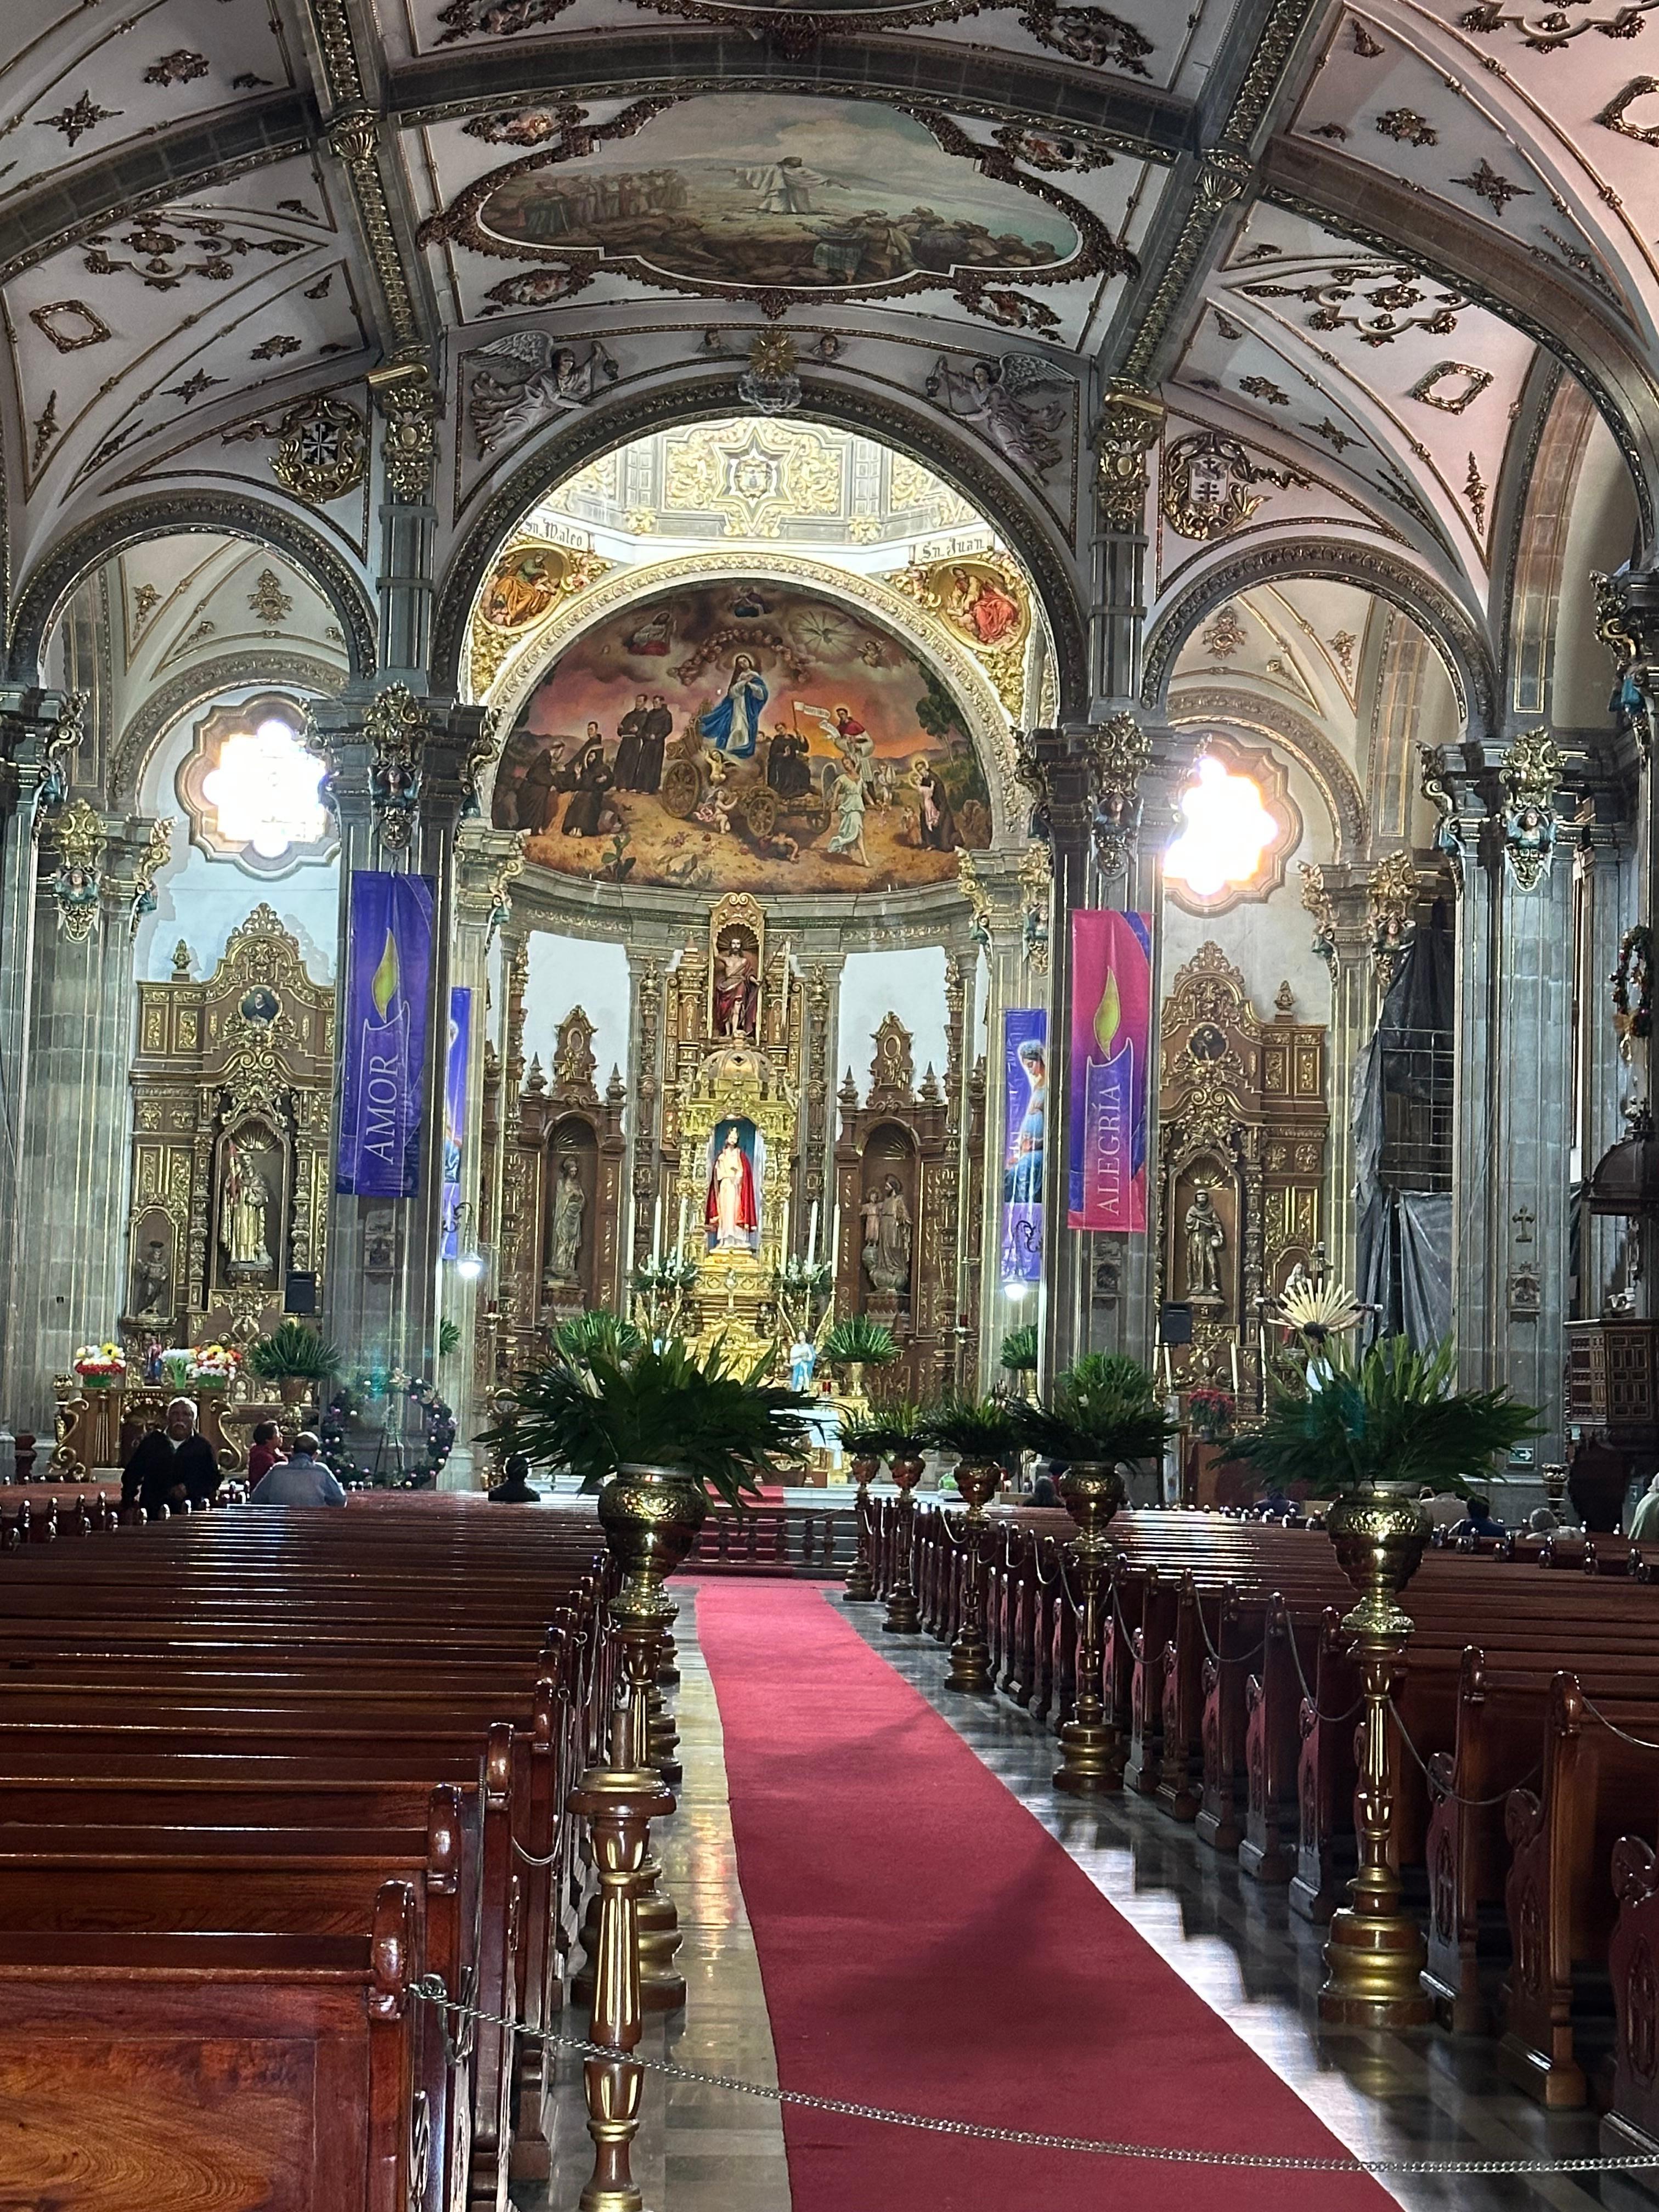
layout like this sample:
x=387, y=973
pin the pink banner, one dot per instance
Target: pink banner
x=1111, y=1039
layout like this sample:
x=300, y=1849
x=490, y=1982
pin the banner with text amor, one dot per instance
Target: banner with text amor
x=383, y=1050
x=1111, y=1035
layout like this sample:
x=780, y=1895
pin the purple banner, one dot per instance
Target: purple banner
x=1025, y=1076
x=1111, y=1037
x=382, y=1048
x=460, y=1050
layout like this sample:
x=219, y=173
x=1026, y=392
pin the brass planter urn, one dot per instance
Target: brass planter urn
x=1092, y=1493
x=1375, y=1953
x=903, y=1608
x=860, y=1585
x=978, y=1480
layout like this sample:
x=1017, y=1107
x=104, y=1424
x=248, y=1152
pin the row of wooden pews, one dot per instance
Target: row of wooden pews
x=262, y=1771
x=1527, y=1806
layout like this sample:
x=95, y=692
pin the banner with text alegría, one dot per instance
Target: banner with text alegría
x=1025, y=1076
x=1111, y=1035
x=383, y=1050
x=460, y=1050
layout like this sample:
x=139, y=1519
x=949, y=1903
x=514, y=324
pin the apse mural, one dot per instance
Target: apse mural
x=738, y=737
x=767, y=193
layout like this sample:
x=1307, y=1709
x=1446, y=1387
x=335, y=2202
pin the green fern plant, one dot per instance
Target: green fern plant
x=708, y=1418
x=1390, y=1414
x=293, y=1348
x=1019, y=1350
x=1104, y=1408
x=859, y=1342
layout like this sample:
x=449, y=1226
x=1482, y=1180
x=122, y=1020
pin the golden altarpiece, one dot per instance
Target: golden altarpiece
x=896, y=1180
x=232, y=1083
x=1243, y=1133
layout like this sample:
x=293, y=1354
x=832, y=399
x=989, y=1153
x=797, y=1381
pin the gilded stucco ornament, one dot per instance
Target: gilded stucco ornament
x=1206, y=486
x=1391, y=896
x=979, y=902
x=1449, y=835
x=1531, y=775
x=396, y=725
x=1036, y=876
x=1316, y=901
x=1119, y=752
x=322, y=451
x=769, y=383
x=158, y=851
x=1130, y=423
x=408, y=401
x=76, y=884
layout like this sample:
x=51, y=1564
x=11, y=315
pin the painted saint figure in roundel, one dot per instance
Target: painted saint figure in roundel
x=733, y=727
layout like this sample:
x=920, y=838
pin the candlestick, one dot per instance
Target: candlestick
x=834, y=1250
x=656, y=1233
x=685, y=1208
x=1233, y=1348
x=1168, y=1373
x=783, y=1237
x=812, y=1237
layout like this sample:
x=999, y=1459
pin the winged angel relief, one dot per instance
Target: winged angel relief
x=529, y=381
x=1000, y=400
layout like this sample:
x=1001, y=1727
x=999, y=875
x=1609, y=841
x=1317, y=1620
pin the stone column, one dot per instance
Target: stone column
x=37, y=728
x=1336, y=897
x=1603, y=864
x=96, y=874
x=1062, y=761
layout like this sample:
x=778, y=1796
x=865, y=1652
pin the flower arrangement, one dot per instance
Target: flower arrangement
x=100, y=1367
x=1211, y=1413
x=215, y=1366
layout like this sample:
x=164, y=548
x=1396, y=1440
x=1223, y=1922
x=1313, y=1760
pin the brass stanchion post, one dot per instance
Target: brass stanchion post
x=903, y=1611
x=1088, y=1765
x=619, y=1804
x=860, y=1585
x=970, y=1653
x=1375, y=1953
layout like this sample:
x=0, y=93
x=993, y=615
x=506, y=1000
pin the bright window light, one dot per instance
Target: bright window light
x=1228, y=831
x=263, y=792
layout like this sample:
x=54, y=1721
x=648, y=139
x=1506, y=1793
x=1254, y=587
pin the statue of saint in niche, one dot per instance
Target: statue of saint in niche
x=244, y=1213
x=737, y=985
x=730, y=1215
x=1206, y=1238
x=152, y=1283
x=569, y=1205
x=887, y=1237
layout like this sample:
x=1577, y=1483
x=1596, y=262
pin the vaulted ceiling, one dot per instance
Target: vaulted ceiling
x=1354, y=250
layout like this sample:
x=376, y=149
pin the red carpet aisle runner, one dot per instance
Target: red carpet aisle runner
x=924, y=1945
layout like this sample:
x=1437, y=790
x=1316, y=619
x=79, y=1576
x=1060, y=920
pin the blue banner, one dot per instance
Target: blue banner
x=460, y=1049
x=383, y=1047
x=1025, y=1078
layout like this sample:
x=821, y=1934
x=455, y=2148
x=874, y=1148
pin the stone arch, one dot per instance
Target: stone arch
x=1033, y=535
x=1460, y=646
x=164, y=708
x=54, y=576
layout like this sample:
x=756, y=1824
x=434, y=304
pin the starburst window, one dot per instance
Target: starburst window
x=1237, y=826
x=253, y=788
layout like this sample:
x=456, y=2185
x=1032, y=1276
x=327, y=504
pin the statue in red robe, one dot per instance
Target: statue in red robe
x=730, y=1214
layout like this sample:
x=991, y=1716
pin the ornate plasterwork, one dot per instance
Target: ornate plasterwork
x=1130, y=423
x=755, y=479
x=396, y=725
x=940, y=588
x=322, y=451
x=521, y=592
x=76, y=884
x=1391, y=904
x=987, y=723
x=1205, y=488
x=1119, y=752
x=1531, y=775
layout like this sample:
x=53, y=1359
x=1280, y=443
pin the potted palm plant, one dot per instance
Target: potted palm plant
x=984, y=1434
x=295, y=1357
x=1018, y=1357
x=1102, y=1411
x=1370, y=1429
x=853, y=1345
x=897, y=1431
x=865, y=1438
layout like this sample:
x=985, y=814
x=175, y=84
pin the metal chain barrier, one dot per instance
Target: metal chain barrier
x=1443, y=1790
x=1636, y=1743
x=430, y=1990
x=1331, y=1720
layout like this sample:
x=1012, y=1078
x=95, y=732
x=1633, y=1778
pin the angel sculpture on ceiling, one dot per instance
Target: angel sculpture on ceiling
x=530, y=381
x=997, y=398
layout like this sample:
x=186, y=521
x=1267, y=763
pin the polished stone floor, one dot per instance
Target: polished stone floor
x=1411, y=2096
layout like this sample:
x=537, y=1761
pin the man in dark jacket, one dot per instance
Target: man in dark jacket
x=171, y=1464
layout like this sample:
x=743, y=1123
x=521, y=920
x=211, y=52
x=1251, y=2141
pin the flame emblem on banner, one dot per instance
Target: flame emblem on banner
x=1108, y=1015
x=384, y=988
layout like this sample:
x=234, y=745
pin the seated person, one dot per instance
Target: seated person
x=301, y=1480
x=171, y=1464
x=514, y=1487
x=1542, y=1521
x=1477, y=1519
x=1044, y=1492
x=265, y=1451
x=1444, y=1507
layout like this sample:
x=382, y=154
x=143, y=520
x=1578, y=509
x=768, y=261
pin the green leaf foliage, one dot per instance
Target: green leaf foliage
x=597, y=1330
x=1389, y=1414
x=1104, y=1408
x=859, y=1342
x=710, y=1420
x=293, y=1348
x=449, y=1338
x=974, y=1428
x=1019, y=1350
